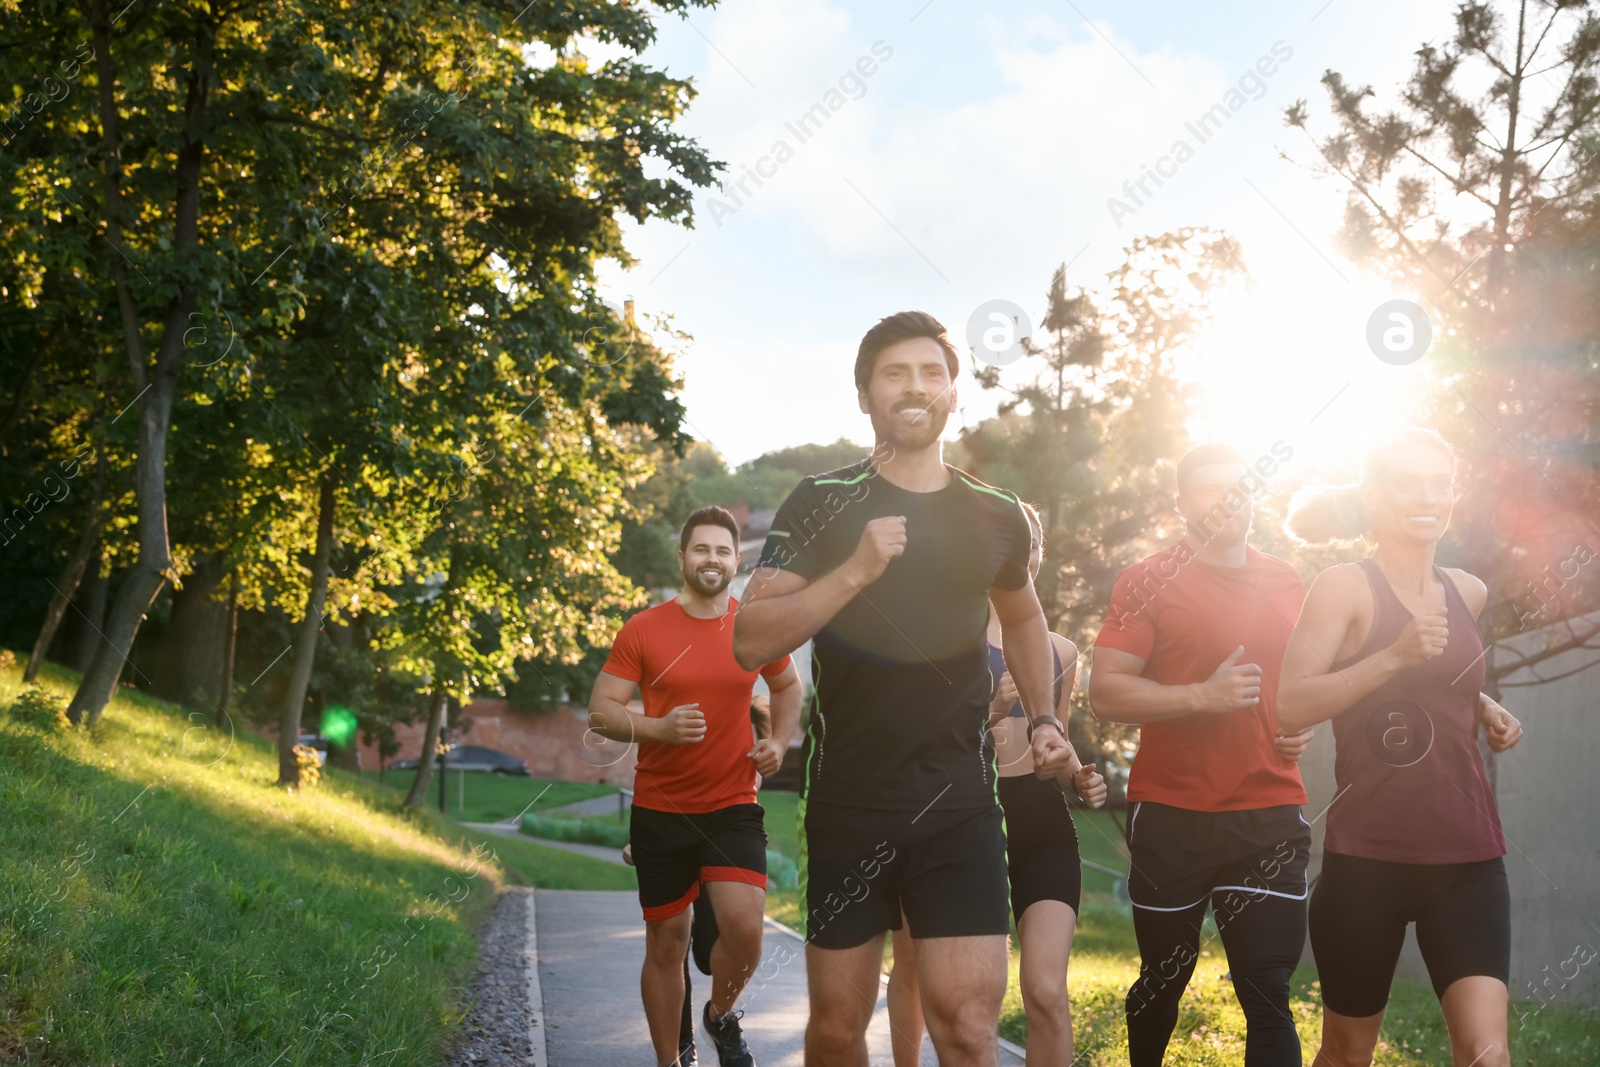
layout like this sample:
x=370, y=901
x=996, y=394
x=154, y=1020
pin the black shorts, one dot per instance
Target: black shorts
x=859, y=867
x=674, y=852
x=1180, y=857
x=1041, y=843
x=1359, y=914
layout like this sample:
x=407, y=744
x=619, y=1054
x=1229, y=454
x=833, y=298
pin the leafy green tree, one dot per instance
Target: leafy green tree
x=219, y=156
x=1476, y=185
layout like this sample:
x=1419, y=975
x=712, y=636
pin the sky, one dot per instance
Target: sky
x=962, y=151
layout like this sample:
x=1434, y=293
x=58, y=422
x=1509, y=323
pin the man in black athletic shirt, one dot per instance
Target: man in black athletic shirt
x=889, y=564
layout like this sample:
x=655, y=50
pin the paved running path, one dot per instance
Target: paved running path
x=589, y=948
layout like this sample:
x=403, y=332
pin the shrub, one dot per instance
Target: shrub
x=602, y=831
x=41, y=709
x=310, y=765
x=8, y=659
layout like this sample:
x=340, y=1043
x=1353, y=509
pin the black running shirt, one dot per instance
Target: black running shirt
x=900, y=675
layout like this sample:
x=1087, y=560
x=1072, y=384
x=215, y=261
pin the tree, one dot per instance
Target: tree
x=1089, y=430
x=1484, y=203
x=227, y=147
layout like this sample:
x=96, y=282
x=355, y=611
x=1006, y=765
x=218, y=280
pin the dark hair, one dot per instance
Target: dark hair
x=1323, y=514
x=1204, y=455
x=902, y=326
x=711, y=516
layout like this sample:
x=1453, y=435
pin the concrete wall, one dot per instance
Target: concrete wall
x=1550, y=812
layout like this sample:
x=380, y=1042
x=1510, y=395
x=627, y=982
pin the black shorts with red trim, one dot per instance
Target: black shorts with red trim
x=673, y=852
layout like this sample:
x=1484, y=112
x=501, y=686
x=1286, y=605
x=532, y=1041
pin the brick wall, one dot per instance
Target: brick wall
x=556, y=743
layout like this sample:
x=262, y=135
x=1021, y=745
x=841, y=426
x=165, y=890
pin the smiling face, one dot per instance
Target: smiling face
x=1215, y=505
x=709, y=560
x=1412, y=497
x=909, y=395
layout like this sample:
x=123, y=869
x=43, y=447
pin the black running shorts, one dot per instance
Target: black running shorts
x=860, y=867
x=1041, y=843
x=1359, y=914
x=1180, y=857
x=674, y=852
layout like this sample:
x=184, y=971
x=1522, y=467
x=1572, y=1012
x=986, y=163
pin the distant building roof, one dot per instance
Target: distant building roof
x=752, y=535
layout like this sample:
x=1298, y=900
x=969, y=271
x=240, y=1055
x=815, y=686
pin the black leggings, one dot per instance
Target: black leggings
x=1263, y=937
x=1359, y=913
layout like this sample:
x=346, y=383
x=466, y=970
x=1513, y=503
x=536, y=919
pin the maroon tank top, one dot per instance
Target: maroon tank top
x=1411, y=785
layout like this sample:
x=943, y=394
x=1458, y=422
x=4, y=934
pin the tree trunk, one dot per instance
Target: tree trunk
x=305, y=638
x=430, y=746
x=72, y=575
x=150, y=573
x=225, y=698
x=92, y=611
x=1510, y=159
x=188, y=663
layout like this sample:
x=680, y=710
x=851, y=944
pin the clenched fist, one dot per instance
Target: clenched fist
x=1423, y=638
x=1500, y=726
x=1005, y=696
x=1090, y=785
x=882, y=540
x=683, y=725
x=768, y=755
x=1233, y=685
x=1292, y=746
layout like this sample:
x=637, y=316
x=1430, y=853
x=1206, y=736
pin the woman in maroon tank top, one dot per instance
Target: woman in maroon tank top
x=1388, y=649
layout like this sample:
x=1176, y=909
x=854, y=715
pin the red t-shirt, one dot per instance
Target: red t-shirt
x=679, y=659
x=1184, y=617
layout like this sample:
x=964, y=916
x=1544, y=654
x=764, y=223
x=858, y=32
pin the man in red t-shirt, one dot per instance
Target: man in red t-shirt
x=695, y=819
x=1190, y=651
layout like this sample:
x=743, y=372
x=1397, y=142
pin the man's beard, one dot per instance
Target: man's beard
x=911, y=434
x=708, y=585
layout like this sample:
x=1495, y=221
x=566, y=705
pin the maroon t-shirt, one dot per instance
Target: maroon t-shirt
x=1411, y=785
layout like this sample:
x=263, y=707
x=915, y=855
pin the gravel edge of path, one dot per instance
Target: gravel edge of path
x=497, y=1029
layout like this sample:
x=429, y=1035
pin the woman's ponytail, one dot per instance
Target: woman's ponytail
x=1319, y=516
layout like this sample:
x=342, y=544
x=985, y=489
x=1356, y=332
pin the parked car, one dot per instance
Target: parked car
x=474, y=758
x=320, y=743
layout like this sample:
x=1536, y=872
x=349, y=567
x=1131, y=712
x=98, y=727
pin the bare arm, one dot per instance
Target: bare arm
x=610, y=717
x=1069, y=674
x=1086, y=778
x=780, y=610
x=785, y=714
x=1310, y=690
x=784, y=718
x=1026, y=643
x=1119, y=691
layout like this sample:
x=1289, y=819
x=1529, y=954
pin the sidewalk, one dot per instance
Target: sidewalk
x=589, y=946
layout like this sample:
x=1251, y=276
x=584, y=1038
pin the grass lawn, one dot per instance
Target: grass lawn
x=161, y=902
x=492, y=797
x=1105, y=961
x=530, y=863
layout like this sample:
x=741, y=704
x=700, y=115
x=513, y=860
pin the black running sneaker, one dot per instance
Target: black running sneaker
x=729, y=1039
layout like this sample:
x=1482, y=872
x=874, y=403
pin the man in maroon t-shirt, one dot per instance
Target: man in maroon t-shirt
x=1190, y=651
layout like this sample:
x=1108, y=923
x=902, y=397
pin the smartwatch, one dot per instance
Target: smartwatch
x=1046, y=720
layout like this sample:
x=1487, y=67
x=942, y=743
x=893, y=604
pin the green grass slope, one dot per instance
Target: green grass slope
x=161, y=901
